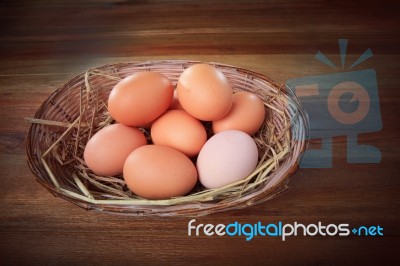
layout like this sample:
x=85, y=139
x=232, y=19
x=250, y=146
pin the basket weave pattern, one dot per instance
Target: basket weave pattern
x=74, y=112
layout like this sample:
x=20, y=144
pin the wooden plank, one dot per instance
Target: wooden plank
x=44, y=43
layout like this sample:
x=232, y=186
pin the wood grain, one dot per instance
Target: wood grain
x=43, y=44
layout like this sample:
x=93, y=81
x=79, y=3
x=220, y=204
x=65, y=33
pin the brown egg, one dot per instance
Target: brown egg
x=179, y=130
x=106, y=151
x=140, y=98
x=247, y=114
x=159, y=172
x=204, y=92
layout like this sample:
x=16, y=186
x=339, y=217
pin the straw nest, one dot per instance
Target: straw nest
x=65, y=122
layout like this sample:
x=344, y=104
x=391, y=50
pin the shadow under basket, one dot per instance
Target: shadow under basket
x=74, y=112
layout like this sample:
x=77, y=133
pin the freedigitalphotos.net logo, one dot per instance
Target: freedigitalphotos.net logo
x=345, y=103
x=281, y=230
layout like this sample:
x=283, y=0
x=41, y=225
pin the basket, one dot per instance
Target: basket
x=63, y=124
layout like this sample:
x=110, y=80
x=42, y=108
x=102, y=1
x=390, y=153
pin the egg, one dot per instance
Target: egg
x=227, y=157
x=159, y=172
x=140, y=98
x=179, y=130
x=247, y=114
x=204, y=92
x=106, y=151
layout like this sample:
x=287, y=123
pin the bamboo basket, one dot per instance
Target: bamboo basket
x=65, y=122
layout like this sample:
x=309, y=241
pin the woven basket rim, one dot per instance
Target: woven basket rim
x=182, y=209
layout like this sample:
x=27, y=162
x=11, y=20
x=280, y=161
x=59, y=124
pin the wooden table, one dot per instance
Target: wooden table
x=45, y=43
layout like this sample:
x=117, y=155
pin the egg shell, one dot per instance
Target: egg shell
x=179, y=130
x=159, y=172
x=106, y=151
x=204, y=92
x=247, y=114
x=227, y=157
x=140, y=98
